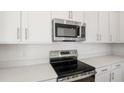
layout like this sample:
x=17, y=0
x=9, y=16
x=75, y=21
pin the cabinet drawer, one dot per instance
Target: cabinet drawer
x=116, y=66
x=103, y=69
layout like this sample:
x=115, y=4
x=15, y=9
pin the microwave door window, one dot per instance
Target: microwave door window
x=66, y=32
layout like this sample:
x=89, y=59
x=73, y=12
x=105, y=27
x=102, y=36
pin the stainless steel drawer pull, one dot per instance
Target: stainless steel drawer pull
x=18, y=33
x=100, y=37
x=118, y=65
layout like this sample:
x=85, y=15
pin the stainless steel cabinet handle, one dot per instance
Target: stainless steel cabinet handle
x=18, y=33
x=26, y=33
x=118, y=65
x=112, y=76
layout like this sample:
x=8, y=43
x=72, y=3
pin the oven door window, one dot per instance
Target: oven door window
x=64, y=30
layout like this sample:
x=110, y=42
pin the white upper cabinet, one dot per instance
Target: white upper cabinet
x=60, y=14
x=77, y=15
x=9, y=26
x=91, y=21
x=71, y=15
x=114, y=26
x=121, y=26
x=103, y=25
x=37, y=26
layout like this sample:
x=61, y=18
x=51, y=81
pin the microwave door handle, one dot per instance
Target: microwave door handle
x=83, y=28
x=81, y=31
x=78, y=31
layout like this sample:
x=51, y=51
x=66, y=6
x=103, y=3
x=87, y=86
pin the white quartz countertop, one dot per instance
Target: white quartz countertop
x=31, y=73
x=44, y=71
x=103, y=60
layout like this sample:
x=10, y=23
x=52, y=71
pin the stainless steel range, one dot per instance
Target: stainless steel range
x=69, y=68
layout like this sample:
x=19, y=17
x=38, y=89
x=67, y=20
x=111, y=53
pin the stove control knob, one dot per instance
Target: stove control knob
x=67, y=78
x=73, y=76
x=89, y=72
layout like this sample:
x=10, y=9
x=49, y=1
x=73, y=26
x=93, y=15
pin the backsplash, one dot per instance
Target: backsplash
x=12, y=55
x=118, y=49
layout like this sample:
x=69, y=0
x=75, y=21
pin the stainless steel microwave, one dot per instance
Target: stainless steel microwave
x=67, y=31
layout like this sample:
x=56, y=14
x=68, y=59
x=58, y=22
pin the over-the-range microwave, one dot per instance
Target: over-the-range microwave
x=67, y=31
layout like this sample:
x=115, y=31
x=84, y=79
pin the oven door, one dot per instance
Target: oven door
x=66, y=32
x=88, y=79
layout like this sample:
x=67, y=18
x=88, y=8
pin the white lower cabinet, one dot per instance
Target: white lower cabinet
x=103, y=74
x=116, y=72
x=112, y=73
x=116, y=75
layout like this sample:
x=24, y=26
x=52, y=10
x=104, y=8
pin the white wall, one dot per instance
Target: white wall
x=13, y=55
x=118, y=49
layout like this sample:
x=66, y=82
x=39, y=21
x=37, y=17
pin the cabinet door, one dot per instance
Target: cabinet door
x=37, y=27
x=105, y=77
x=77, y=16
x=116, y=75
x=104, y=26
x=91, y=20
x=123, y=72
x=114, y=26
x=60, y=14
x=103, y=74
x=9, y=26
x=122, y=26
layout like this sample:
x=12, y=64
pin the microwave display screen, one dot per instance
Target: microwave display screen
x=64, y=30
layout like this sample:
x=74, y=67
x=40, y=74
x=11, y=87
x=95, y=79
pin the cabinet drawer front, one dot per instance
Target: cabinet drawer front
x=116, y=66
x=103, y=69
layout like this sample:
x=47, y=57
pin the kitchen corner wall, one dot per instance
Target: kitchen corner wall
x=118, y=49
x=16, y=55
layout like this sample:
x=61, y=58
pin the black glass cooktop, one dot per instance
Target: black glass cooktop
x=70, y=68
